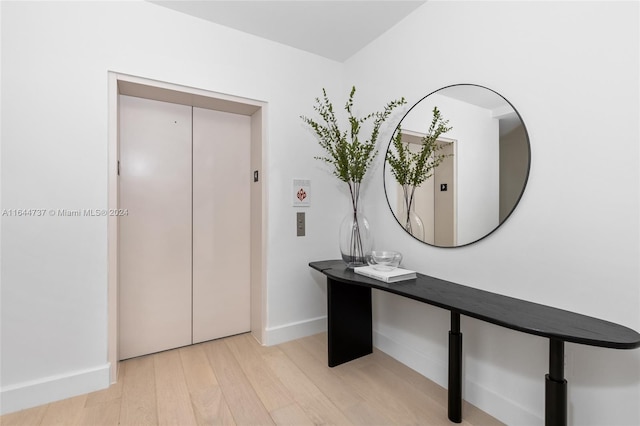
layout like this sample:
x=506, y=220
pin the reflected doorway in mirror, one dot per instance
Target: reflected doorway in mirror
x=431, y=214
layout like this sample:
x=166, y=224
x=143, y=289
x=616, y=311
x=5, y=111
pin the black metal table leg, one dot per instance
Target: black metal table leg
x=349, y=329
x=555, y=403
x=455, y=369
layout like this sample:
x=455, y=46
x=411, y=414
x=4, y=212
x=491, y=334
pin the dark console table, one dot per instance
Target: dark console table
x=350, y=332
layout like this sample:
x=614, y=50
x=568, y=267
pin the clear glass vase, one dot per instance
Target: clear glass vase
x=356, y=240
x=409, y=219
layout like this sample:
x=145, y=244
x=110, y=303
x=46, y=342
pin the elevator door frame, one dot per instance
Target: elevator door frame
x=151, y=89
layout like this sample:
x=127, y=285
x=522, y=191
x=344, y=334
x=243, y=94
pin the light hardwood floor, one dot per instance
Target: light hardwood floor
x=237, y=381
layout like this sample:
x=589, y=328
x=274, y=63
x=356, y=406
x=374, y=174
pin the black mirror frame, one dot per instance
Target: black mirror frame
x=524, y=186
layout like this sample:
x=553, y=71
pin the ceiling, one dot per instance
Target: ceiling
x=487, y=99
x=335, y=29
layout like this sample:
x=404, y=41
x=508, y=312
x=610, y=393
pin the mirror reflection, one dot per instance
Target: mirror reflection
x=457, y=165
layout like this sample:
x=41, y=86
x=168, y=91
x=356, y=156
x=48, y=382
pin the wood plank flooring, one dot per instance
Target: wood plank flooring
x=235, y=381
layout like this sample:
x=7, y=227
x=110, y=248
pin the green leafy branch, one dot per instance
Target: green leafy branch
x=345, y=151
x=413, y=168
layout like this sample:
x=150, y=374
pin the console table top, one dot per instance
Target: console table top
x=505, y=311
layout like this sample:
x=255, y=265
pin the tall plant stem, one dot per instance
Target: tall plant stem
x=408, y=202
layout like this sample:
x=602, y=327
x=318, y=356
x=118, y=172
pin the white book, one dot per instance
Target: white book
x=392, y=276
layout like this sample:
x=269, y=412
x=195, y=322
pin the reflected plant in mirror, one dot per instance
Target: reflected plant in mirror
x=460, y=159
x=411, y=167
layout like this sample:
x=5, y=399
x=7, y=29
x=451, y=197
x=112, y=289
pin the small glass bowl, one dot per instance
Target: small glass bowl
x=384, y=260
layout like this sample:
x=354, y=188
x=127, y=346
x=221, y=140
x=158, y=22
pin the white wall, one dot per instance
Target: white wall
x=55, y=59
x=571, y=70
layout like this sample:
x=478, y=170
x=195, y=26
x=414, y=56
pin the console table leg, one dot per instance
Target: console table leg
x=455, y=370
x=555, y=386
x=349, y=329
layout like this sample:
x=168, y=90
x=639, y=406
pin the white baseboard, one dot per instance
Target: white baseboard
x=294, y=330
x=436, y=370
x=54, y=388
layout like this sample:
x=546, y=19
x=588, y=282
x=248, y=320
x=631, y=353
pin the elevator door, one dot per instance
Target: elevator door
x=444, y=213
x=155, y=236
x=221, y=224
x=185, y=243
x=435, y=203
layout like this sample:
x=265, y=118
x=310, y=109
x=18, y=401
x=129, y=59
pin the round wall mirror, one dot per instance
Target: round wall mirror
x=457, y=165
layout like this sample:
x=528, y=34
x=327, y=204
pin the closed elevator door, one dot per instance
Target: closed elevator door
x=174, y=251
x=155, y=236
x=221, y=224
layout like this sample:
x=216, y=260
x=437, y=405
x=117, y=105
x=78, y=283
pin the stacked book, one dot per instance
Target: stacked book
x=392, y=276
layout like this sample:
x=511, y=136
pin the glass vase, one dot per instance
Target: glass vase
x=409, y=219
x=356, y=241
